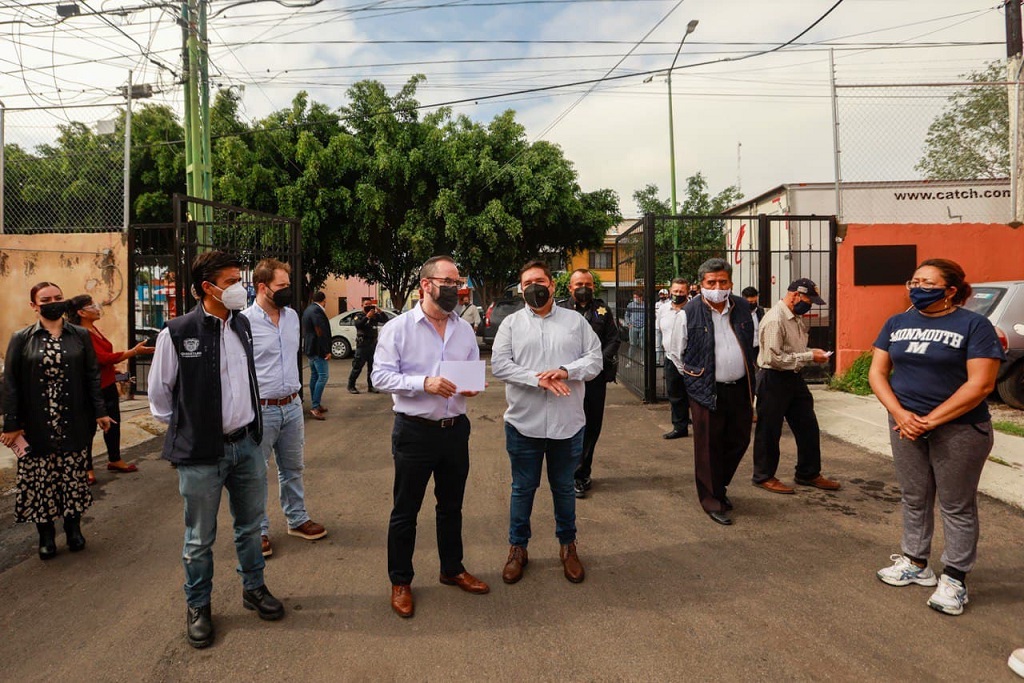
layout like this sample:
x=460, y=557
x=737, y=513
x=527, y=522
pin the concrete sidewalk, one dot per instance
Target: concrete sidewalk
x=862, y=421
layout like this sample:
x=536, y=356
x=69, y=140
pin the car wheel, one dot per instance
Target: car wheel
x=1011, y=387
x=340, y=348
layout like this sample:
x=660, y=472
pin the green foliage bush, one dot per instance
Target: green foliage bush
x=854, y=380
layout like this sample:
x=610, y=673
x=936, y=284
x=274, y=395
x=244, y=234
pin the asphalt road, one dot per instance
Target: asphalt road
x=787, y=593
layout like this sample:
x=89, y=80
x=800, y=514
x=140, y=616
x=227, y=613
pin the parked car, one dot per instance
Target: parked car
x=1003, y=304
x=343, y=330
x=496, y=312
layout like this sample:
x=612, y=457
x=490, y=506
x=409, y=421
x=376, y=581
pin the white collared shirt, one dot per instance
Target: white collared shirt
x=409, y=350
x=527, y=344
x=729, y=364
x=235, y=401
x=665, y=321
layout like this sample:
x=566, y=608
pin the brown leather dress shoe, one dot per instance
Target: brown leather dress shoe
x=517, y=559
x=571, y=563
x=820, y=482
x=308, y=530
x=774, y=485
x=466, y=582
x=265, y=546
x=401, y=601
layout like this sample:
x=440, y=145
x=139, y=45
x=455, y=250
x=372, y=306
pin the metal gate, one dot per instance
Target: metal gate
x=766, y=252
x=160, y=258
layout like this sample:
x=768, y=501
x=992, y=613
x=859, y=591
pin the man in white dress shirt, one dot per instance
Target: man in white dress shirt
x=544, y=354
x=431, y=433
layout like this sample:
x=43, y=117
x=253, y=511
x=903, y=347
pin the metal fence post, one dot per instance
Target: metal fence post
x=764, y=261
x=3, y=111
x=650, y=294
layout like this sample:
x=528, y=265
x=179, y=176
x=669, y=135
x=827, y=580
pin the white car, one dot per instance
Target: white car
x=343, y=331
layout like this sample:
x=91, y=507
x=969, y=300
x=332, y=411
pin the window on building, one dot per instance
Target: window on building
x=601, y=259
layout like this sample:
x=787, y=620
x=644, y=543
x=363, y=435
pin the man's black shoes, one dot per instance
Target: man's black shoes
x=266, y=605
x=722, y=518
x=199, y=626
x=352, y=390
x=577, y=487
x=675, y=434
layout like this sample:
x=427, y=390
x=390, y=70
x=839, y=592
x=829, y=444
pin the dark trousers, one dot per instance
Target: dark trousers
x=111, y=437
x=593, y=410
x=720, y=438
x=783, y=395
x=677, y=398
x=421, y=451
x=363, y=356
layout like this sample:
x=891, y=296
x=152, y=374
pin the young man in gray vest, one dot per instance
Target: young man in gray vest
x=203, y=386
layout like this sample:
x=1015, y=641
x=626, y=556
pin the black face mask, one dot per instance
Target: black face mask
x=583, y=295
x=536, y=295
x=447, y=297
x=753, y=305
x=679, y=299
x=282, y=297
x=801, y=307
x=53, y=310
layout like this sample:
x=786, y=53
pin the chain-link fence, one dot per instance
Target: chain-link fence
x=924, y=153
x=63, y=169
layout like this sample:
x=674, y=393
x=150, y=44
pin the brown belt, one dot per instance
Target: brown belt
x=278, y=401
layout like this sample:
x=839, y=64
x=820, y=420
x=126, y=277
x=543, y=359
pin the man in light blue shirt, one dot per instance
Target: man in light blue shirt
x=544, y=354
x=275, y=342
x=431, y=433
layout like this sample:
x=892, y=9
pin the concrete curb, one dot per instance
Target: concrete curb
x=862, y=421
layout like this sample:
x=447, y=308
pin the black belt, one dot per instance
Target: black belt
x=440, y=424
x=278, y=401
x=236, y=435
x=735, y=381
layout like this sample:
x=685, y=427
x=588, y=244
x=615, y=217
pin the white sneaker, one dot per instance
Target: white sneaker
x=903, y=572
x=950, y=597
x=1016, y=662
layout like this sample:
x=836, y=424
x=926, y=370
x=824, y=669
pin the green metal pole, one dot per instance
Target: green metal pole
x=204, y=85
x=187, y=121
x=690, y=27
x=194, y=107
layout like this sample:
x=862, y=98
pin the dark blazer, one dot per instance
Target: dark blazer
x=24, y=395
x=316, y=332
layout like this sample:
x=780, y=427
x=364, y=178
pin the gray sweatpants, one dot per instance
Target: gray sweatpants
x=947, y=463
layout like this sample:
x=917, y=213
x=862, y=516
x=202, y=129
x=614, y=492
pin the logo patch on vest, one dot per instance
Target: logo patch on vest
x=191, y=346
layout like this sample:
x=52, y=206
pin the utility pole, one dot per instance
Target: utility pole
x=1013, y=70
x=127, y=151
x=195, y=54
x=690, y=28
x=3, y=111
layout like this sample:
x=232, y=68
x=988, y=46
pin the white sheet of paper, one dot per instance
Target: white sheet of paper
x=466, y=375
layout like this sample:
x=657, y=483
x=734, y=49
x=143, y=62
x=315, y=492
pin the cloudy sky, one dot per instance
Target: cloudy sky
x=732, y=89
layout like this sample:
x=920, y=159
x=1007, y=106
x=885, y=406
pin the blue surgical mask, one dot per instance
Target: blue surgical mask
x=923, y=298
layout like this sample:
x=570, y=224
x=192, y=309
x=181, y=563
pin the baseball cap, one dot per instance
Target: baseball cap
x=807, y=286
x=662, y=291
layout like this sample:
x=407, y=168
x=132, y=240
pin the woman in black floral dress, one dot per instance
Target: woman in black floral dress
x=52, y=402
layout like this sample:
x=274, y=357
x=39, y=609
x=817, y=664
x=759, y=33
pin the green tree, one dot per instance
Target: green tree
x=970, y=138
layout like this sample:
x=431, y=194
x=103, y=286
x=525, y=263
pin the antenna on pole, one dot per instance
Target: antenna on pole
x=739, y=178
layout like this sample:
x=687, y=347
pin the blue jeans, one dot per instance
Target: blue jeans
x=284, y=433
x=243, y=472
x=527, y=456
x=317, y=379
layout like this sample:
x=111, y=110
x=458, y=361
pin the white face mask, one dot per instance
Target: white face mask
x=234, y=297
x=715, y=296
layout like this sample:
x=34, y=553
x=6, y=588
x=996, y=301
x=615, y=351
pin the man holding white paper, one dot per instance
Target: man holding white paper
x=544, y=354
x=431, y=433
x=782, y=393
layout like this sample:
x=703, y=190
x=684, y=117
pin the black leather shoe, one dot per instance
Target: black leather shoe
x=577, y=487
x=722, y=518
x=73, y=531
x=675, y=434
x=47, y=540
x=260, y=600
x=727, y=503
x=353, y=390
x=199, y=626
x=372, y=390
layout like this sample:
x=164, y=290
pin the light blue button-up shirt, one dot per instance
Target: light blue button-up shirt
x=275, y=351
x=409, y=350
x=527, y=344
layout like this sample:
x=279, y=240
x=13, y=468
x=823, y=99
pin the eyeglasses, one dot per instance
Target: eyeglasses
x=445, y=281
x=923, y=284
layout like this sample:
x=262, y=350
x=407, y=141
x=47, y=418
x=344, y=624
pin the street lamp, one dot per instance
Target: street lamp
x=690, y=28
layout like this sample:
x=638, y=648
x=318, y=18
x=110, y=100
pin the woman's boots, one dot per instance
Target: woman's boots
x=73, y=530
x=47, y=540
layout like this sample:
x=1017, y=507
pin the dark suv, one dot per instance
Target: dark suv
x=496, y=312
